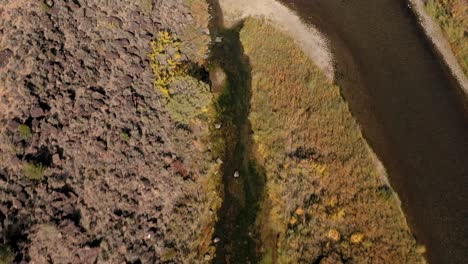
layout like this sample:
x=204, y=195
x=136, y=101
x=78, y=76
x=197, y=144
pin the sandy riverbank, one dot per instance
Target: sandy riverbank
x=441, y=45
x=311, y=41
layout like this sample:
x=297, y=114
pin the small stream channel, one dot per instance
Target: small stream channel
x=242, y=195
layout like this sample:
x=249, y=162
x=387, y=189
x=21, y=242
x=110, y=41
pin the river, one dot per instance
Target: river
x=409, y=109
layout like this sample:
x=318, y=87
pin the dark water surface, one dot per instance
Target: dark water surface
x=409, y=111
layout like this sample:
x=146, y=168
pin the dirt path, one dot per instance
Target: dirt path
x=311, y=41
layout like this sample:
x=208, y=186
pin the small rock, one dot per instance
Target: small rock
x=216, y=240
x=13, y=126
x=207, y=256
x=16, y=203
x=219, y=161
x=98, y=104
x=5, y=56
x=56, y=159
x=218, y=39
x=36, y=112
x=4, y=210
x=35, y=124
x=123, y=42
x=236, y=174
x=126, y=81
x=123, y=249
x=23, y=197
x=54, y=11
x=15, y=161
x=74, y=6
x=115, y=21
x=218, y=126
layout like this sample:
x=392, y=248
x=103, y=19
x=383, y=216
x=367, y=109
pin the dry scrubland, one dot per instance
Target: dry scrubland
x=452, y=16
x=102, y=157
x=107, y=146
x=326, y=201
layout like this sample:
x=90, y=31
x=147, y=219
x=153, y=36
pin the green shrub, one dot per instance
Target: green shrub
x=6, y=255
x=268, y=257
x=189, y=98
x=24, y=131
x=146, y=6
x=34, y=171
x=45, y=7
x=125, y=137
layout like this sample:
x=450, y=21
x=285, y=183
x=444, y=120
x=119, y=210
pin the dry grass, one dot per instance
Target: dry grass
x=452, y=16
x=320, y=173
x=34, y=171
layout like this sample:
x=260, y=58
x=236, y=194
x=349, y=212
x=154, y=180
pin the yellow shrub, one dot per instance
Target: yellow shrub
x=166, y=61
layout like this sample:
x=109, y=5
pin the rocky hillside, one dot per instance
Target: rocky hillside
x=93, y=165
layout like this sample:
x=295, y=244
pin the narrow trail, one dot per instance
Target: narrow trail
x=242, y=195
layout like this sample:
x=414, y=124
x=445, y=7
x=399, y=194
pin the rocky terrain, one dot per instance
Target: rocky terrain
x=183, y=131
x=92, y=165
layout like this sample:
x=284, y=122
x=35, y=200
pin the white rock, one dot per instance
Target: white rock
x=236, y=174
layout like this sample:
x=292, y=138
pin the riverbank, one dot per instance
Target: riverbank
x=409, y=108
x=318, y=165
x=441, y=44
x=326, y=197
x=311, y=41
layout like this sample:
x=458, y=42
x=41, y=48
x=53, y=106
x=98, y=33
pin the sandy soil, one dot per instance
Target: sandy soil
x=311, y=41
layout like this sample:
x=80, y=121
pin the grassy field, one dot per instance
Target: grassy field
x=325, y=198
x=452, y=16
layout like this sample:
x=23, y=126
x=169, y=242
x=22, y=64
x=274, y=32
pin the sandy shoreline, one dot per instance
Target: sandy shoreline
x=441, y=45
x=315, y=44
x=309, y=39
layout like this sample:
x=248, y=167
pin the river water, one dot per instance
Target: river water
x=409, y=110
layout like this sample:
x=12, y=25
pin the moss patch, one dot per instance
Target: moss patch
x=24, y=131
x=6, y=255
x=34, y=171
